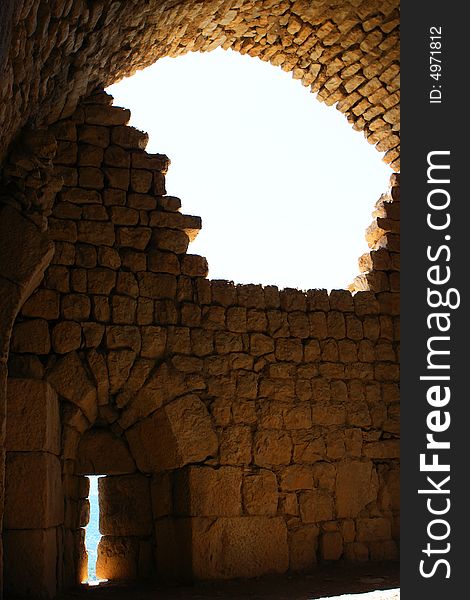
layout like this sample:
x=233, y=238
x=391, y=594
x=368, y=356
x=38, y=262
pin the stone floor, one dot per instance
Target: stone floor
x=333, y=582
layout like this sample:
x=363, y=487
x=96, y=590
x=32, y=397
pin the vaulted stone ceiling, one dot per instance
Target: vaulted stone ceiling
x=347, y=51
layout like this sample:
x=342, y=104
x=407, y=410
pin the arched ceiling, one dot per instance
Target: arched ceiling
x=345, y=50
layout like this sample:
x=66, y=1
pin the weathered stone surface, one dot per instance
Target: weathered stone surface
x=373, y=530
x=76, y=307
x=33, y=493
x=31, y=562
x=43, y=304
x=316, y=505
x=204, y=492
x=66, y=336
x=258, y=546
x=272, y=448
x=236, y=445
x=161, y=489
x=163, y=386
x=175, y=435
x=260, y=495
x=23, y=263
x=303, y=544
x=331, y=545
x=153, y=341
x=354, y=489
x=118, y=558
x=125, y=507
x=33, y=423
x=120, y=363
x=70, y=380
x=297, y=477
x=100, y=452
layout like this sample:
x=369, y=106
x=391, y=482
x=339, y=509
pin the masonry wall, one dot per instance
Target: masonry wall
x=244, y=429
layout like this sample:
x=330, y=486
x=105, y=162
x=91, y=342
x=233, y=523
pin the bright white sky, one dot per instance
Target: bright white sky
x=284, y=185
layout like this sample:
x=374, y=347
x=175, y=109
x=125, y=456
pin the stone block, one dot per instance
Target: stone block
x=261, y=344
x=96, y=114
x=96, y=233
x=141, y=180
x=129, y=138
x=90, y=177
x=157, y=286
x=90, y=156
x=331, y=413
x=145, y=160
x=109, y=257
x=57, y=278
x=101, y=281
x=260, y=495
x=134, y=261
x=331, y=545
x=289, y=350
x=24, y=263
x=33, y=422
x=100, y=452
x=318, y=325
x=127, y=284
x=112, y=197
x=78, y=280
x=303, y=543
x=115, y=156
x=95, y=135
x=272, y=447
x=101, y=308
x=120, y=363
x=30, y=563
x=383, y=449
x=298, y=417
x=175, y=435
x=66, y=336
x=118, y=558
x=125, y=507
x=153, y=341
x=161, y=489
x=354, y=487
x=43, y=304
x=164, y=262
x=70, y=380
x=172, y=240
x=316, y=506
x=205, y=492
x=373, y=530
x=33, y=493
x=133, y=237
x=194, y=265
x=239, y=547
x=236, y=445
x=123, y=310
x=64, y=254
x=297, y=477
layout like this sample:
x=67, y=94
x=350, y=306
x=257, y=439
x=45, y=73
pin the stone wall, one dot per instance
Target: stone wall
x=244, y=429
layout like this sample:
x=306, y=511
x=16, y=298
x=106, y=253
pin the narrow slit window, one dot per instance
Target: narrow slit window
x=93, y=535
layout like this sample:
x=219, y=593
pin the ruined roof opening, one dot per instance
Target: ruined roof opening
x=284, y=185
